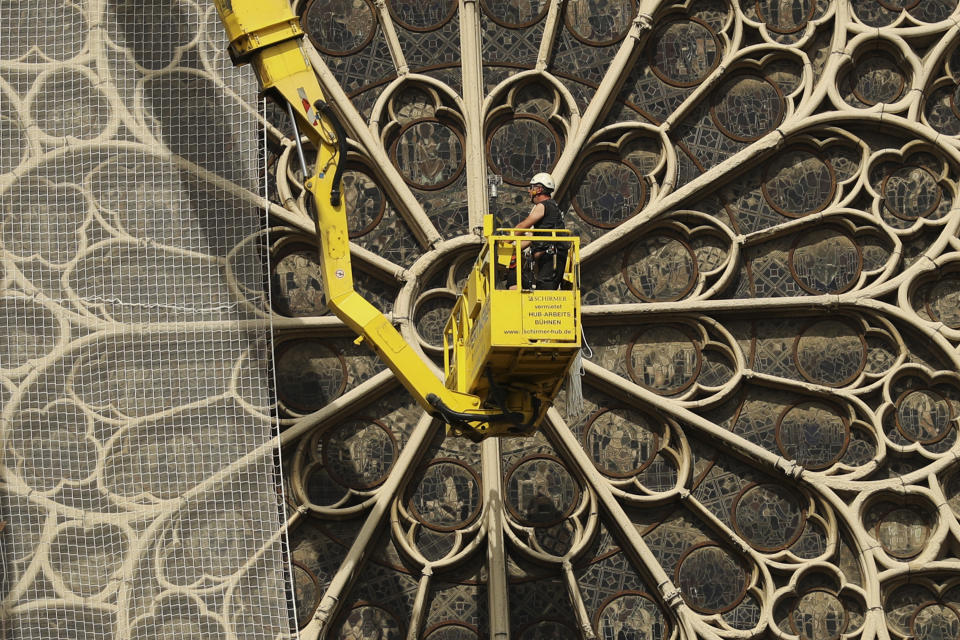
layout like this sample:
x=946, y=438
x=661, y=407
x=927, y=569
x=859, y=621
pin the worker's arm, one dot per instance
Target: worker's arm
x=536, y=214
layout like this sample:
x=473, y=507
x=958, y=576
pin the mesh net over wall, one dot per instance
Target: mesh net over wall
x=139, y=480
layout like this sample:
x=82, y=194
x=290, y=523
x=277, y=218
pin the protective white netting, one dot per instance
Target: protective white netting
x=140, y=488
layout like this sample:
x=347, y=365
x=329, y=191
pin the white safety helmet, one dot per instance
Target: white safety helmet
x=545, y=181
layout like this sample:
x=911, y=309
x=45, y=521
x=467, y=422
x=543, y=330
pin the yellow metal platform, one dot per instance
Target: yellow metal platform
x=508, y=345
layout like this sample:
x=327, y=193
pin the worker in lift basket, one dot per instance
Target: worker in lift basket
x=545, y=260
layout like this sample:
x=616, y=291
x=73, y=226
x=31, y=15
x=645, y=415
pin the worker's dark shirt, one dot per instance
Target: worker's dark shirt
x=552, y=219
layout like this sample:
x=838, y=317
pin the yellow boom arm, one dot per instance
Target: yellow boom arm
x=267, y=35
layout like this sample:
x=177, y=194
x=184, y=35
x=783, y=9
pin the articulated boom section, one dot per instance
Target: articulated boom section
x=508, y=345
x=267, y=35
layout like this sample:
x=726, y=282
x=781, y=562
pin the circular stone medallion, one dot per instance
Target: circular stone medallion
x=306, y=589
x=798, y=183
x=621, y=442
x=923, y=416
x=830, y=353
x=309, y=374
x=429, y=154
x=711, y=580
x=747, y=107
x=610, y=192
x=812, y=434
x=785, y=17
x=903, y=532
x=819, y=615
x=367, y=621
x=664, y=359
x=364, y=202
x=660, y=268
x=359, y=454
x=599, y=22
x=768, y=516
x=630, y=615
x=541, y=492
x=877, y=79
x=298, y=283
x=516, y=14
x=911, y=192
x=430, y=317
x=943, y=301
x=447, y=496
x=825, y=261
x=522, y=147
x=422, y=15
x=685, y=52
x=340, y=27
x=88, y=112
x=935, y=622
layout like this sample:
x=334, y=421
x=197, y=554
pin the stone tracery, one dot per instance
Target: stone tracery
x=766, y=192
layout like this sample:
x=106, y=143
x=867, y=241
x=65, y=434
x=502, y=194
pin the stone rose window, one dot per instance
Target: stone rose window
x=766, y=193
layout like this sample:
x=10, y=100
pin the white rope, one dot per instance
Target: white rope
x=574, y=386
x=574, y=381
x=159, y=305
x=292, y=587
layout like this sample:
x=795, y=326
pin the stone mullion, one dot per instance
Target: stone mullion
x=759, y=457
x=848, y=517
x=498, y=595
x=407, y=203
x=636, y=547
x=608, y=90
x=390, y=34
x=471, y=64
x=766, y=460
x=576, y=599
x=421, y=606
x=342, y=583
x=936, y=333
x=545, y=53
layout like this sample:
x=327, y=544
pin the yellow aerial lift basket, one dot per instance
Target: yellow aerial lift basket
x=508, y=345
